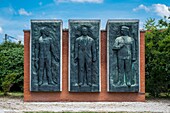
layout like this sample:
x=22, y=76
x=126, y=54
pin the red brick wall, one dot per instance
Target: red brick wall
x=65, y=95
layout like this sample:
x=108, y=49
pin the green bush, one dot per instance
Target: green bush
x=157, y=65
x=11, y=66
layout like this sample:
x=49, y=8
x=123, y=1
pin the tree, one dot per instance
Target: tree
x=157, y=56
x=11, y=66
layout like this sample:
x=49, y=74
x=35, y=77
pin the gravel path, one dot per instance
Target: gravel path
x=12, y=105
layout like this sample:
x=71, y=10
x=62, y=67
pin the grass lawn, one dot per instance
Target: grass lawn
x=21, y=95
x=87, y=112
x=13, y=94
x=162, y=95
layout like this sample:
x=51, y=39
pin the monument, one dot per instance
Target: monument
x=46, y=55
x=84, y=55
x=84, y=63
x=123, y=55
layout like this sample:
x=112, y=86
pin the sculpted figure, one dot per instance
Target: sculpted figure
x=43, y=55
x=125, y=47
x=85, y=55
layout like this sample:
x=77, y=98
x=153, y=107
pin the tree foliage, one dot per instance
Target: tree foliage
x=157, y=40
x=11, y=66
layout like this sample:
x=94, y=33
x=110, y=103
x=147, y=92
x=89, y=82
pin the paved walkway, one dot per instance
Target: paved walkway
x=12, y=105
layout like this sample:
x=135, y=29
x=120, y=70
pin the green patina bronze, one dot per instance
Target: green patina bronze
x=123, y=55
x=45, y=55
x=84, y=55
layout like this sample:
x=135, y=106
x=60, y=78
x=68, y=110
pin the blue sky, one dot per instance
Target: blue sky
x=15, y=15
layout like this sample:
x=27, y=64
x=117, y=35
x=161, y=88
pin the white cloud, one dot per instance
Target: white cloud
x=1, y=30
x=43, y=13
x=20, y=38
x=140, y=7
x=11, y=10
x=22, y=11
x=141, y=25
x=26, y=26
x=40, y=3
x=12, y=28
x=7, y=11
x=161, y=10
x=80, y=1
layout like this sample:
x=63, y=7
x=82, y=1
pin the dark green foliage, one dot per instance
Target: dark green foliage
x=11, y=66
x=157, y=57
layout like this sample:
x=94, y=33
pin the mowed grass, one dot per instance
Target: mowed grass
x=13, y=94
x=86, y=112
x=162, y=96
x=21, y=95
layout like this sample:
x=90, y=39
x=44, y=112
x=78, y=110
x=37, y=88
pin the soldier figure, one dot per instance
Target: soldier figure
x=125, y=47
x=85, y=55
x=43, y=53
